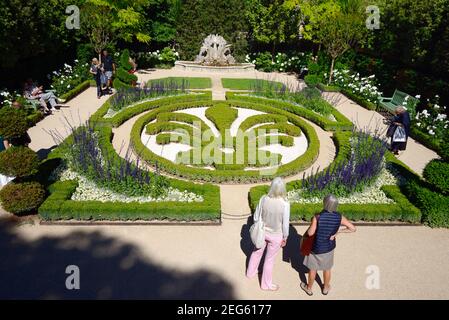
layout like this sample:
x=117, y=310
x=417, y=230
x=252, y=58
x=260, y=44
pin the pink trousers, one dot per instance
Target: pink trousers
x=273, y=244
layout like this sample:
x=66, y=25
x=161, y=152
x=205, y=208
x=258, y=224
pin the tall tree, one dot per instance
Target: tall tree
x=273, y=21
x=107, y=21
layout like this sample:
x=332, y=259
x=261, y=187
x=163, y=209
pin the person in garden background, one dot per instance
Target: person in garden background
x=402, y=131
x=109, y=68
x=96, y=70
x=324, y=226
x=275, y=212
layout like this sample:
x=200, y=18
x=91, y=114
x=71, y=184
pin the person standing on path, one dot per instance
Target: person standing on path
x=109, y=68
x=402, y=131
x=325, y=227
x=275, y=213
x=96, y=71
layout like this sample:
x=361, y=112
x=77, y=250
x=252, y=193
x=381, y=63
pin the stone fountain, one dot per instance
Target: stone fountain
x=215, y=55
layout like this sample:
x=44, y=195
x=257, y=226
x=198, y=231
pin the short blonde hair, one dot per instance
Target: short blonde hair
x=94, y=60
x=277, y=188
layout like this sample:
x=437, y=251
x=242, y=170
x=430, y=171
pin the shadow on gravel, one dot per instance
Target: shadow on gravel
x=109, y=269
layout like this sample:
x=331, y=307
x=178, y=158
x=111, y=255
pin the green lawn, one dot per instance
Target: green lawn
x=249, y=84
x=192, y=82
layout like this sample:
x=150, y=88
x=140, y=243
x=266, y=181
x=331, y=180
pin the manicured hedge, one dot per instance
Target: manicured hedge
x=327, y=88
x=58, y=205
x=434, y=206
x=425, y=139
x=77, y=90
x=130, y=112
x=342, y=123
x=362, y=102
x=298, y=164
x=436, y=173
x=401, y=210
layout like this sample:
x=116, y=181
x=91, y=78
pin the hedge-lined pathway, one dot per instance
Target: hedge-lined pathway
x=208, y=262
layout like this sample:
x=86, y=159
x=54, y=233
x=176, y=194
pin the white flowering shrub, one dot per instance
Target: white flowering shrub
x=364, y=87
x=159, y=58
x=433, y=119
x=280, y=62
x=7, y=97
x=69, y=77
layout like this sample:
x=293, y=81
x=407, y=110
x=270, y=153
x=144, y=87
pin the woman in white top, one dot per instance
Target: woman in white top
x=275, y=212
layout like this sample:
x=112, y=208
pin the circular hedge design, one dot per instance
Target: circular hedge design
x=223, y=165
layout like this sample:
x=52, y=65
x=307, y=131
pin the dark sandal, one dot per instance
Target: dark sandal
x=326, y=291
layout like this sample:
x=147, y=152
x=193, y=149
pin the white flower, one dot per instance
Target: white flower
x=431, y=132
x=418, y=96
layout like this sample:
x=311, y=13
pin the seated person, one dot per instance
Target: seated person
x=34, y=92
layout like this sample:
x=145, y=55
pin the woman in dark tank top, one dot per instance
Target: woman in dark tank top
x=324, y=226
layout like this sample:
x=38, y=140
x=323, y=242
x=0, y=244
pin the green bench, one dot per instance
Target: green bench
x=390, y=104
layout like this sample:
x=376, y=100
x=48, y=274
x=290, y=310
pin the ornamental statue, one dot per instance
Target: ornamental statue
x=215, y=51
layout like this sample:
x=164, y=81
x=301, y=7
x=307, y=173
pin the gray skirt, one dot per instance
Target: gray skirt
x=322, y=261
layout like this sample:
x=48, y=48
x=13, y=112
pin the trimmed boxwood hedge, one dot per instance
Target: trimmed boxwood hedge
x=77, y=90
x=362, y=102
x=201, y=174
x=401, y=210
x=342, y=123
x=58, y=205
x=326, y=88
x=130, y=112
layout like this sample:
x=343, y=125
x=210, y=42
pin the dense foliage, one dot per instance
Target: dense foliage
x=23, y=197
x=18, y=162
x=199, y=18
x=13, y=123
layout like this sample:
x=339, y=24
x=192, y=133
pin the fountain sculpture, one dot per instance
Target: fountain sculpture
x=215, y=55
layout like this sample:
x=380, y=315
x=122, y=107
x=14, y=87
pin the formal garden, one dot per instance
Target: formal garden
x=183, y=144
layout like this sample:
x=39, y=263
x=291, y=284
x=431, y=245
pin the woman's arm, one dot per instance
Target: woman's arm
x=312, y=228
x=286, y=221
x=348, y=227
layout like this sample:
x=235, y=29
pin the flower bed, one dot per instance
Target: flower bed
x=381, y=201
x=60, y=205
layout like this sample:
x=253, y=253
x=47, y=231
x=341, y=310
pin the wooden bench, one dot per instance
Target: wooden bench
x=398, y=99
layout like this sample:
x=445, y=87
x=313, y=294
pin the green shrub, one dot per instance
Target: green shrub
x=76, y=91
x=222, y=116
x=434, y=206
x=18, y=162
x=123, y=78
x=359, y=100
x=13, y=123
x=313, y=68
x=444, y=150
x=327, y=88
x=311, y=93
x=436, y=173
x=312, y=80
x=22, y=197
